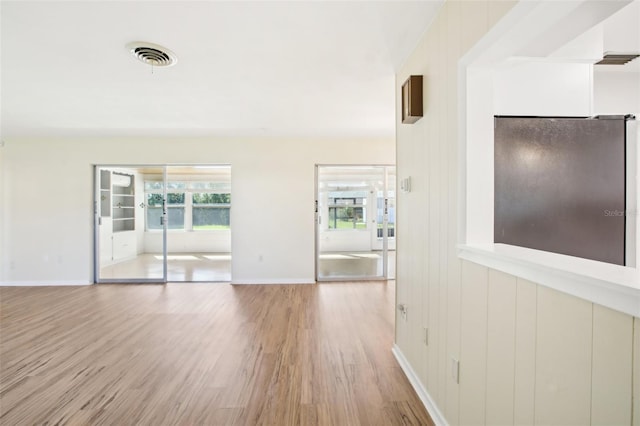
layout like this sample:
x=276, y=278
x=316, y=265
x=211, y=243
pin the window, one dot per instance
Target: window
x=211, y=211
x=347, y=210
x=175, y=210
x=191, y=206
x=154, y=211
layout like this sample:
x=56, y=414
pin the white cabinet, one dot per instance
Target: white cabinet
x=117, y=235
x=124, y=245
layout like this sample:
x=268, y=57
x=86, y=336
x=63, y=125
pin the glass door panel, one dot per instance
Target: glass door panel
x=348, y=219
x=123, y=214
x=199, y=222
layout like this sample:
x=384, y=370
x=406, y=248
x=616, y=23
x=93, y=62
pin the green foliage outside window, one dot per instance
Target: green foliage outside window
x=211, y=198
x=211, y=211
x=208, y=210
x=155, y=200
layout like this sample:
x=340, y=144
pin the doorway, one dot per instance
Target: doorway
x=355, y=222
x=165, y=223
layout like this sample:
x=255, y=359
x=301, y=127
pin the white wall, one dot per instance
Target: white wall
x=542, y=88
x=616, y=92
x=49, y=203
x=188, y=241
x=342, y=240
x=3, y=266
x=353, y=241
x=3, y=263
x=527, y=354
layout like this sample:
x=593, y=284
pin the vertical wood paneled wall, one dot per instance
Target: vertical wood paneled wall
x=527, y=354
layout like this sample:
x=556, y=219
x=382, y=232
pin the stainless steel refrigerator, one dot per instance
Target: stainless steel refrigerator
x=567, y=185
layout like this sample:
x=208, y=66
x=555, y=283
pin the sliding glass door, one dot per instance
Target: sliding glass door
x=355, y=222
x=163, y=223
x=122, y=215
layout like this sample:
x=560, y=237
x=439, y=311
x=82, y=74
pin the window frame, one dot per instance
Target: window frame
x=333, y=205
x=187, y=205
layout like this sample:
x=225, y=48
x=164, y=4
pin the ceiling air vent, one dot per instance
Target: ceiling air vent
x=617, y=58
x=152, y=54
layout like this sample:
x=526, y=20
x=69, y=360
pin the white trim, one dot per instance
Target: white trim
x=613, y=286
x=462, y=151
x=43, y=283
x=274, y=281
x=427, y=401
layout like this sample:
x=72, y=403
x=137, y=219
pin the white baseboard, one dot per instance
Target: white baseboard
x=42, y=283
x=270, y=281
x=427, y=401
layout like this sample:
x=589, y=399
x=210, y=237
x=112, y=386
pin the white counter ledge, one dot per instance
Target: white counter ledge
x=613, y=286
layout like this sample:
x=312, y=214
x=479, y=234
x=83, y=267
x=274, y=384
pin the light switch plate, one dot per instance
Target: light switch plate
x=455, y=370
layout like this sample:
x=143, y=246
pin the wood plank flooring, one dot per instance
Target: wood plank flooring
x=202, y=354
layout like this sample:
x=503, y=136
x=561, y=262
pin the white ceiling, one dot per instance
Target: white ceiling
x=267, y=68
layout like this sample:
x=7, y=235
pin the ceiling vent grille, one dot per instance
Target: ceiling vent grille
x=152, y=54
x=617, y=58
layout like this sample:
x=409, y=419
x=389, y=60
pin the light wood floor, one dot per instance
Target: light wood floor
x=202, y=354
